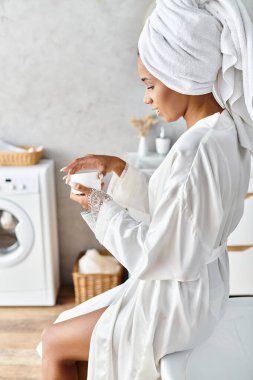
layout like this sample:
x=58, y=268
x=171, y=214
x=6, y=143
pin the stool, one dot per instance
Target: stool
x=226, y=355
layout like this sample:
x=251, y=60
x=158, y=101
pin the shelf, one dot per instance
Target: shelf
x=151, y=161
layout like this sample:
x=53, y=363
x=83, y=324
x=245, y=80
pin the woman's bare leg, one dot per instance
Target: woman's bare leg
x=65, y=343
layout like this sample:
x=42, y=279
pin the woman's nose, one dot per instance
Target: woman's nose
x=147, y=99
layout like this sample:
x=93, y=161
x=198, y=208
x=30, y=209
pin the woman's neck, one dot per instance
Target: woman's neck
x=200, y=107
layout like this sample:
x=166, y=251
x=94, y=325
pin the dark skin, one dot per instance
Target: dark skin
x=66, y=344
x=171, y=104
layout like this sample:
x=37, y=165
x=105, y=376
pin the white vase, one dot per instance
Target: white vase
x=143, y=146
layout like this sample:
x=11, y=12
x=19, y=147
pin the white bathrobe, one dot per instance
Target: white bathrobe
x=179, y=272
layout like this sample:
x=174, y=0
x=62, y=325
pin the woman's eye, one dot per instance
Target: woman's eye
x=150, y=88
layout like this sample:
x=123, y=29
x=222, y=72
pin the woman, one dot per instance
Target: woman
x=179, y=283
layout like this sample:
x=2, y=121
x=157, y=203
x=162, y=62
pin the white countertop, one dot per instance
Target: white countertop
x=151, y=161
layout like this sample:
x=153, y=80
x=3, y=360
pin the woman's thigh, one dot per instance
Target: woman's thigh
x=70, y=340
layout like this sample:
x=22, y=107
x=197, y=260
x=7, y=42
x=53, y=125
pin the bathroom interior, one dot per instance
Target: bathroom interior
x=70, y=87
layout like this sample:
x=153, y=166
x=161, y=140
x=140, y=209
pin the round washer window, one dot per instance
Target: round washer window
x=8, y=237
x=16, y=233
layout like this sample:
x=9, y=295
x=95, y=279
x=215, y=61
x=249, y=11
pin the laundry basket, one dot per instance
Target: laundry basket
x=89, y=285
x=25, y=158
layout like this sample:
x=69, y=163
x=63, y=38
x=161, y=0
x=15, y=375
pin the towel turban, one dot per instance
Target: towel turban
x=200, y=46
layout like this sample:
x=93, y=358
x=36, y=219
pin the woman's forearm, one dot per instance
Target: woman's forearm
x=119, y=166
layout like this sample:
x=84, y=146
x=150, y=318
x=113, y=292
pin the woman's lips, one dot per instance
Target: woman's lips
x=157, y=111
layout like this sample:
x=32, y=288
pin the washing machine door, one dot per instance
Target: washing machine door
x=16, y=233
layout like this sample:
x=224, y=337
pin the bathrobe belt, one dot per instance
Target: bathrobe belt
x=217, y=252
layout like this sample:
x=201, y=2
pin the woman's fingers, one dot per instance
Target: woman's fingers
x=71, y=169
x=100, y=175
x=67, y=168
x=71, y=165
x=86, y=162
x=76, y=197
x=89, y=162
x=68, y=177
x=80, y=198
x=83, y=189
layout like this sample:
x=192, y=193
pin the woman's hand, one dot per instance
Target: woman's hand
x=102, y=163
x=82, y=199
x=89, y=199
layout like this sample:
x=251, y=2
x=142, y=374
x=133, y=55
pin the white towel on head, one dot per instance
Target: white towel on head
x=199, y=46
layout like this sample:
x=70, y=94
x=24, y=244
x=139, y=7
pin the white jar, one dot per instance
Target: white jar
x=162, y=143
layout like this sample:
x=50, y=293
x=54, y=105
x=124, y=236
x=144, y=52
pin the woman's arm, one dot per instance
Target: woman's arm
x=184, y=228
x=128, y=185
x=103, y=164
x=168, y=248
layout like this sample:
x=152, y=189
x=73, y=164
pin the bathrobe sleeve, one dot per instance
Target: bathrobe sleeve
x=130, y=190
x=183, y=228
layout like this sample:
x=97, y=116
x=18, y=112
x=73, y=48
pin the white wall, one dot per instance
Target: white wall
x=68, y=81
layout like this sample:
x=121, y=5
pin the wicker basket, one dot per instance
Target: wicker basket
x=89, y=285
x=20, y=158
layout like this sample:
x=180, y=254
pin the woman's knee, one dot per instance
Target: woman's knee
x=62, y=342
x=50, y=343
x=70, y=340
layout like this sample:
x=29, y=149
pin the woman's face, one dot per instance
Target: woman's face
x=167, y=103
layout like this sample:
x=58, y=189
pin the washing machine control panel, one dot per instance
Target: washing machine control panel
x=18, y=184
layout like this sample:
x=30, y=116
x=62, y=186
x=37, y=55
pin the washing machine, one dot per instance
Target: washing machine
x=29, y=257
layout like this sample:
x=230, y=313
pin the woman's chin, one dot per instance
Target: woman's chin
x=169, y=118
x=166, y=118
x=161, y=115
